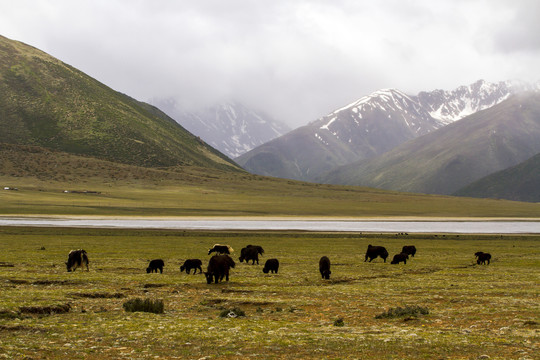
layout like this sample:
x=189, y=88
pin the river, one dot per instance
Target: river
x=451, y=226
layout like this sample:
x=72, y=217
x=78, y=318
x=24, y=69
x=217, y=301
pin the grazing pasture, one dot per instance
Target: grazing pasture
x=440, y=305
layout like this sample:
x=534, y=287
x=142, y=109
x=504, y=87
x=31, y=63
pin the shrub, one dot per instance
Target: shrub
x=147, y=305
x=409, y=310
x=339, y=322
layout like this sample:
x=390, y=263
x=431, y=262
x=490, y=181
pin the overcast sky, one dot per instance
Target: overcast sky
x=296, y=60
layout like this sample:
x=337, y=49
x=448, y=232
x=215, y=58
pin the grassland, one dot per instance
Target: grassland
x=473, y=310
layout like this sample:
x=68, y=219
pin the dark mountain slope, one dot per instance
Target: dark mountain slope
x=520, y=183
x=47, y=103
x=450, y=158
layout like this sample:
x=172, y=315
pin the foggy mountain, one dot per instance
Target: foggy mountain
x=232, y=128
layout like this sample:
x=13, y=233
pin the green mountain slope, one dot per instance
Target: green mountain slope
x=520, y=182
x=454, y=156
x=47, y=103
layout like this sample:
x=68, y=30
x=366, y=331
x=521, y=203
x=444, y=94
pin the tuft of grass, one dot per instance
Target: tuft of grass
x=232, y=313
x=339, y=322
x=146, y=305
x=408, y=310
x=46, y=310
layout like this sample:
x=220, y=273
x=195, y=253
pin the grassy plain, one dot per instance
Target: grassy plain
x=473, y=310
x=133, y=191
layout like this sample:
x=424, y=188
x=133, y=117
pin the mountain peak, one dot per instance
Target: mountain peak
x=450, y=106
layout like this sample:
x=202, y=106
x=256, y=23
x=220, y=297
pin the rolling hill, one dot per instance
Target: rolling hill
x=50, y=104
x=518, y=183
x=452, y=157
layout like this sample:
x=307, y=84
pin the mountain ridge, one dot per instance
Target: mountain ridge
x=450, y=158
x=368, y=127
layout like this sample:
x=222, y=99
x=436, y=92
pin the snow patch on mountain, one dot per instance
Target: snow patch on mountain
x=450, y=106
x=232, y=128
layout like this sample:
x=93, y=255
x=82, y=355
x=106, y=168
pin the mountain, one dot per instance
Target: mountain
x=454, y=156
x=449, y=106
x=520, y=183
x=229, y=127
x=49, y=104
x=371, y=126
x=365, y=128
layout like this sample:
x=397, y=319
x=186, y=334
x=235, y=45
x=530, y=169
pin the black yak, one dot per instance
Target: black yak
x=77, y=258
x=482, y=258
x=191, y=264
x=218, y=268
x=259, y=248
x=374, y=251
x=409, y=249
x=400, y=258
x=155, y=265
x=249, y=253
x=271, y=265
x=324, y=267
x=220, y=249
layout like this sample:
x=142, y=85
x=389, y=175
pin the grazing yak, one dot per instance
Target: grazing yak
x=482, y=257
x=374, y=251
x=218, y=267
x=155, y=265
x=77, y=258
x=271, y=265
x=249, y=253
x=324, y=267
x=409, y=249
x=400, y=258
x=191, y=264
x=220, y=249
x=259, y=248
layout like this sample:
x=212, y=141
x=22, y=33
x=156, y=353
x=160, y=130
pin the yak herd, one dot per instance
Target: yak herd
x=220, y=264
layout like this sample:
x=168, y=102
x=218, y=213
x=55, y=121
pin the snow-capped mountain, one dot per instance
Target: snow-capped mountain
x=379, y=121
x=231, y=127
x=449, y=106
x=371, y=126
x=365, y=128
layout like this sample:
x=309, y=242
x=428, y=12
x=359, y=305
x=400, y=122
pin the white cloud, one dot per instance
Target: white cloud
x=297, y=60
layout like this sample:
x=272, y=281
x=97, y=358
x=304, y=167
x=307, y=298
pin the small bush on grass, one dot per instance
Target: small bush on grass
x=409, y=310
x=147, y=305
x=232, y=313
x=339, y=322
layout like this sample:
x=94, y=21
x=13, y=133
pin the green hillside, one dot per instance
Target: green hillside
x=50, y=104
x=452, y=157
x=520, y=183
